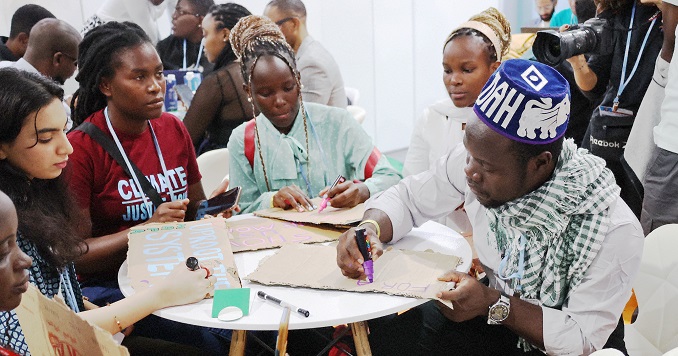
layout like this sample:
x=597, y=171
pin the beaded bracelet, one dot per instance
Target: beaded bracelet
x=118, y=323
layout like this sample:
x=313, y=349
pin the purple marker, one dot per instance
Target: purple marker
x=366, y=251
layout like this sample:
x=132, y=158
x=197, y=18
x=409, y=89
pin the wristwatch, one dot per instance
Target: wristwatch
x=499, y=311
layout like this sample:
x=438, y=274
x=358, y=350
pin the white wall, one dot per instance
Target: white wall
x=391, y=50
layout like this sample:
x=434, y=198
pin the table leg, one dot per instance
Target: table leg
x=362, y=344
x=238, y=343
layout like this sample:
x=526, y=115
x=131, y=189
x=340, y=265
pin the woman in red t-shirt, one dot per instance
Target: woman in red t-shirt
x=121, y=93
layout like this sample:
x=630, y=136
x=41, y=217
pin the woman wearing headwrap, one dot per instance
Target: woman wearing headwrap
x=471, y=53
x=293, y=150
x=220, y=104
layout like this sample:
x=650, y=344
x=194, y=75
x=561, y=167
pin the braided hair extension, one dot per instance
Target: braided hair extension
x=499, y=25
x=252, y=38
x=226, y=16
x=97, y=59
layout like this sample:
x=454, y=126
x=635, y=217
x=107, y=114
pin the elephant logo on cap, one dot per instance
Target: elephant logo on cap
x=542, y=115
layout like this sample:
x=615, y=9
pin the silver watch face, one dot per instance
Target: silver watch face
x=499, y=312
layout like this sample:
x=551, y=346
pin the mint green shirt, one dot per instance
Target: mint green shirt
x=342, y=147
x=564, y=17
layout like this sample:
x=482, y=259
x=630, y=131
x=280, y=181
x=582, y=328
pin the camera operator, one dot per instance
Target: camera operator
x=581, y=107
x=621, y=79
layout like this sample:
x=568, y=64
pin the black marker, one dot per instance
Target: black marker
x=275, y=300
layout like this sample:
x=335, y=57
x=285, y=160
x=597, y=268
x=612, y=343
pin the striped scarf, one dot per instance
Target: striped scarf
x=564, y=221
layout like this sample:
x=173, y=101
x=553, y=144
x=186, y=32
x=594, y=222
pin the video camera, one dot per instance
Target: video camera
x=593, y=36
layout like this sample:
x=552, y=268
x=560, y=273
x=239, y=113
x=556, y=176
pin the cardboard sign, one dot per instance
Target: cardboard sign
x=261, y=233
x=51, y=328
x=396, y=272
x=330, y=215
x=156, y=249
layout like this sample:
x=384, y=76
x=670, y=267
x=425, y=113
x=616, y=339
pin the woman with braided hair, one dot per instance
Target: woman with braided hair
x=220, y=103
x=471, y=53
x=300, y=147
x=121, y=96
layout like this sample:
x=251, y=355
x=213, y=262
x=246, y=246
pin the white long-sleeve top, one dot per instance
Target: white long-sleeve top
x=141, y=12
x=589, y=314
x=438, y=130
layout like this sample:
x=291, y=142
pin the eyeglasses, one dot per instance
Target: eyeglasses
x=281, y=22
x=74, y=59
x=178, y=12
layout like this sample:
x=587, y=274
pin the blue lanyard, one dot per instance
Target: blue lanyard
x=184, y=67
x=624, y=81
x=197, y=60
x=518, y=275
x=302, y=172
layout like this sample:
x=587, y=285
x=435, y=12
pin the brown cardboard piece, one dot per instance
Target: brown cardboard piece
x=257, y=233
x=51, y=328
x=155, y=249
x=330, y=215
x=397, y=272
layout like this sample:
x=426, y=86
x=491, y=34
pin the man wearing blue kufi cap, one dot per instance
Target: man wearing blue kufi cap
x=558, y=245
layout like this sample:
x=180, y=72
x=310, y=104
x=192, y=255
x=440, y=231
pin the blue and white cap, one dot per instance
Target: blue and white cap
x=525, y=101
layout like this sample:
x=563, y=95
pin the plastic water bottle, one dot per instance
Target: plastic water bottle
x=171, y=99
x=192, y=80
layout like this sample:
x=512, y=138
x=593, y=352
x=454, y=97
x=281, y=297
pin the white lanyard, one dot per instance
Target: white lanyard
x=65, y=282
x=149, y=204
x=624, y=81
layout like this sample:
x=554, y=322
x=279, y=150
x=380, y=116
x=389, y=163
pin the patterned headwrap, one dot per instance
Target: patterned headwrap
x=254, y=36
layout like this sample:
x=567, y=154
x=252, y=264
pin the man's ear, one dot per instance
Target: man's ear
x=542, y=164
x=22, y=37
x=105, y=86
x=495, y=65
x=3, y=153
x=297, y=23
x=57, y=58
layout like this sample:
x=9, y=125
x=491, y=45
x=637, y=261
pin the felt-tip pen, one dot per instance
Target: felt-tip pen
x=366, y=251
x=283, y=304
x=326, y=197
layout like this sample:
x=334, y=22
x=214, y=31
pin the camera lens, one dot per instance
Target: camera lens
x=548, y=47
x=553, y=47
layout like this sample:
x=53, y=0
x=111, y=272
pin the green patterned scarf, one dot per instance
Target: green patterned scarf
x=565, y=221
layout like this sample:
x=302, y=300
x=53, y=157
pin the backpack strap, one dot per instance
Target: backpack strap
x=249, y=141
x=372, y=162
x=104, y=141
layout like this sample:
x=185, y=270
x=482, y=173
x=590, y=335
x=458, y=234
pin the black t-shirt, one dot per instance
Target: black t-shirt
x=171, y=51
x=5, y=53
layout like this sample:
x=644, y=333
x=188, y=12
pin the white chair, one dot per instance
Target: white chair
x=352, y=94
x=213, y=166
x=358, y=112
x=655, y=331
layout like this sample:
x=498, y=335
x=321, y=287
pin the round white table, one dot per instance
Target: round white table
x=326, y=307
